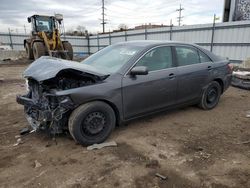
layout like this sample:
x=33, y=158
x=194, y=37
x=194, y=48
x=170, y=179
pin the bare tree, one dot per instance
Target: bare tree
x=122, y=27
x=81, y=29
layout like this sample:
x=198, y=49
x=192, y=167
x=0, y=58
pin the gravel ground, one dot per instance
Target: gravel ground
x=191, y=147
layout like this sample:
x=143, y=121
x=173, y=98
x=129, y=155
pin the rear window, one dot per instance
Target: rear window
x=203, y=57
x=187, y=55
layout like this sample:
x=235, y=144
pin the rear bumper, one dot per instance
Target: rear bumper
x=241, y=83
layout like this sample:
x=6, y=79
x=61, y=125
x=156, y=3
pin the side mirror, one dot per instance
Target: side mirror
x=29, y=19
x=140, y=70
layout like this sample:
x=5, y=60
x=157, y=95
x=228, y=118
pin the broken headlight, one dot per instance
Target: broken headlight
x=27, y=85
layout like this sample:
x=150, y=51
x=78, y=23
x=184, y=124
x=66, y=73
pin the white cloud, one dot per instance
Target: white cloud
x=14, y=13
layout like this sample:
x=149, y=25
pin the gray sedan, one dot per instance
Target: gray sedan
x=119, y=83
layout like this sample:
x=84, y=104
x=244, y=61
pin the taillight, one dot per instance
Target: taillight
x=230, y=67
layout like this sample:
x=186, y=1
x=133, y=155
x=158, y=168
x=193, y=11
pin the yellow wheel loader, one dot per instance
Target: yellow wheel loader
x=45, y=39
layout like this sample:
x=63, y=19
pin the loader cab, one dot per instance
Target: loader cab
x=43, y=23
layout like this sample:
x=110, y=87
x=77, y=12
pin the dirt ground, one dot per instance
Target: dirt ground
x=191, y=147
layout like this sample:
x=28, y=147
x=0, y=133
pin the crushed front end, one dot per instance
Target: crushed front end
x=45, y=77
x=44, y=110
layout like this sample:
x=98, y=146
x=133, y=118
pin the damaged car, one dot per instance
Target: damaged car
x=119, y=83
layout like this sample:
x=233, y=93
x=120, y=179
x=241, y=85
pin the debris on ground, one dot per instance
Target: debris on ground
x=24, y=131
x=161, y=176
x=101, y=178
x=245, y=142
x=102, y=145
x=18, y=142
x=248, y=114
x=241, y=79
x=152, y=164
x=17, y=136
x=37, y=164
x=202, y=155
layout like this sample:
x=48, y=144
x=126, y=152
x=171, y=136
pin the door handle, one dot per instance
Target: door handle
x=171, y=76
x=209, y=68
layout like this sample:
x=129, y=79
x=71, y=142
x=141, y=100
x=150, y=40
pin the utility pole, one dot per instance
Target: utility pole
x=103, y=15
x=171, y=28
x=213, y=30
x=179, y=17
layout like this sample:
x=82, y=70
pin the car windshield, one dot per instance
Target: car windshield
x=112, y=58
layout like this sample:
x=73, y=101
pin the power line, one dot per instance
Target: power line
x=179, y=17
x=103, y=19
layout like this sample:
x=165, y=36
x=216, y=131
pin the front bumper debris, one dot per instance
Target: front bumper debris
x=47, y=114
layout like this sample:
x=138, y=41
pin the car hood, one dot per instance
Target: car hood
x=45, y=68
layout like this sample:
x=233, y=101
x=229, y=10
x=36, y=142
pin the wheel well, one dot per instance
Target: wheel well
x=221, y=83
x=37, y=40
x=113, y=106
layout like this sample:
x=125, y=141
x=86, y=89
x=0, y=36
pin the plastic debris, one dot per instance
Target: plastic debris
x=102, y=145
x=19, y=141
x=37, y=164
x=248, y=114
x=17, y=136
x=24, y=131
x=161, y=176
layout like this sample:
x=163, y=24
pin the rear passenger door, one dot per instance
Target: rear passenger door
x=193, y=68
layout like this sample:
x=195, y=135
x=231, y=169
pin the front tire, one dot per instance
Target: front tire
x=92, y=123
x=210, y=96
x=38, y=49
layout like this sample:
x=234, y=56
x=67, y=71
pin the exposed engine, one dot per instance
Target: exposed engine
x=68, y=79
x=44, y=109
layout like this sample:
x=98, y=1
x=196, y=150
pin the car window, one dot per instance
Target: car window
x=112, y=58
x=203, y=57
x=157, y=59
x=186, y=56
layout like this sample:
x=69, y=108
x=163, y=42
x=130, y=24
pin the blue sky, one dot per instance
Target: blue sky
x=14, y=13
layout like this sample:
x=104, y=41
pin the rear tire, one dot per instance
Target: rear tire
x=92, y=123
x=38, y=49
x=67, y=46
x=210, y=96
x=29, y=51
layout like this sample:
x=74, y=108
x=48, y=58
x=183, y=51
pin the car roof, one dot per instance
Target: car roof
x=151, y=43
x=147, y=43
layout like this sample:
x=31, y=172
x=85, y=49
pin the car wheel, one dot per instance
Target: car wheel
x=92, y=123
x=210, y=96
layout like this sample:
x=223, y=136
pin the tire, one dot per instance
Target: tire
x=67, y=46
x=92, y=123
x=38, y=49
x=210, y=96
x=29, y=51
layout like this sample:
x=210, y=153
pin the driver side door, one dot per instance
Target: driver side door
x=154, y=91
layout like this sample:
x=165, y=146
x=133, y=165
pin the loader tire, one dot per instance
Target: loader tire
x=68, y=47
x=29, y=51
x=38, y=49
